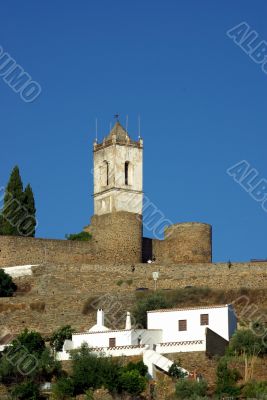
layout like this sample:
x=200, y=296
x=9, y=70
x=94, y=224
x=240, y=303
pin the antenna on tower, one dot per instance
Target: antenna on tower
x=127, y=123
x=96, y=138
x=139, y=127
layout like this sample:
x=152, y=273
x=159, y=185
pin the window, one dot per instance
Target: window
x=107, y=173
x=126, y=172
x=182, y=325
x=204, y=319
x=112, y=342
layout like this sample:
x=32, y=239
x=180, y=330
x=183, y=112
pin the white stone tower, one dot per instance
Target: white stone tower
x=118, y=173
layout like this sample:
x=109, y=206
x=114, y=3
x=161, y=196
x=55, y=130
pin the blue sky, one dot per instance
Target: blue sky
x=202, y=102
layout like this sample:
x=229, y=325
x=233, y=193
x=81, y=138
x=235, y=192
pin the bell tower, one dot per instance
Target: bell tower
x=118, y=173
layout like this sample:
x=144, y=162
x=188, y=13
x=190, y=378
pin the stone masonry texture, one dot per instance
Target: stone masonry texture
x=189, y=242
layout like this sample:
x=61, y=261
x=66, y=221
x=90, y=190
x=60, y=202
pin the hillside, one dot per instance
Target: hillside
x=63, y=294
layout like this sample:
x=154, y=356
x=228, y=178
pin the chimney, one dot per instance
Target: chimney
x=128, y=324
x=100, y=318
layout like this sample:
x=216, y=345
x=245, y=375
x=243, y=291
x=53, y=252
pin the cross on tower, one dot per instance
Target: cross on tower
x=116, y=116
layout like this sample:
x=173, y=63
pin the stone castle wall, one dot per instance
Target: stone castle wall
x=17, y=250
x=189, y=242
x=117, y=238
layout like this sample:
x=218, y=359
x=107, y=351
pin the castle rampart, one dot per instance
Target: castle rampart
x=189, y=242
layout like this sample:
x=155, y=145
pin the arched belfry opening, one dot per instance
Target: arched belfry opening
x=106, y=172
x=126, y=172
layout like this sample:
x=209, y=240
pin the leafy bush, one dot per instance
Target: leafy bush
x=187, y=389
x=245, y=342
x=132, y=382
x=119, y=282
x=7, y=286
x=226, y=383
x=31, y=340
x=63, y=388
x=138, y=366
x=151, y=302
x=90, y=371
x=255, y=390
x=176, y=372
x=82, y=236
x=59, y=336
x=26, y=391
x=28, y=357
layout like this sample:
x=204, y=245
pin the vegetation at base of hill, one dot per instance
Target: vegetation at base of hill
x=18, y=215
x=246, y=343
x=59, y=336
x=255, y=390
x=92, y=372
x=7, y=286
x=26, y=391
x=82, y=236
x=186, y=389
x=26, y=364
x=227, y=378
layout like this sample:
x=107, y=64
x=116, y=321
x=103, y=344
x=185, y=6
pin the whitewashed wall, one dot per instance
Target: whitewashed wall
x=126, y=351
x=101, y=339
x=168, y=322
x=188, y=346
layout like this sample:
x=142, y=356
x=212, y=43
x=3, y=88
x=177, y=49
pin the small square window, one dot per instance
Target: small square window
x=112, y=342
x=204, y=319
x=182, y=325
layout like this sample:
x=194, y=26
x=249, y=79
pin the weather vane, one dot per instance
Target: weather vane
x=116, y=116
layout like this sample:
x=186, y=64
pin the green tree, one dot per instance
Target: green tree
x=245, y=342
x=28, y=357
x=12, y=211
x=31, y=340
x=82, y=236
x=7, y=286
x=63, y=388
x=226, y=382
x=152, y=302
x=26, y=391
x=90, y=371
x=59, y=336
x=186, y=389
x=138, y=366
x=132, y=382
x=27, y=227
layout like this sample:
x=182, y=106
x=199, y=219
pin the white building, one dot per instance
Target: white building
x=168, y=331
